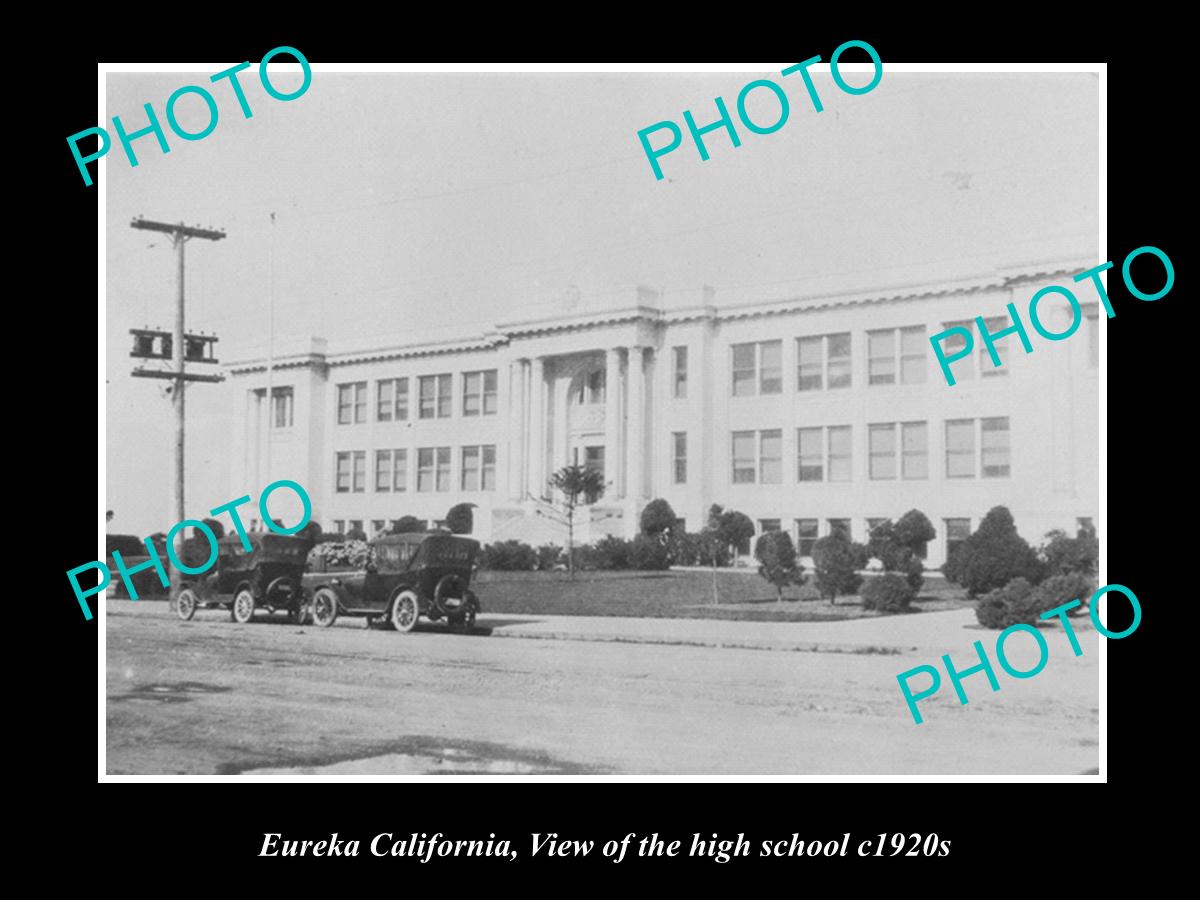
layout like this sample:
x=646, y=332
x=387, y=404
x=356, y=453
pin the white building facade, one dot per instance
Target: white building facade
x=808, y=414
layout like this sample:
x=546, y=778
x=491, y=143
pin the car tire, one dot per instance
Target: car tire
x=242, y=608
x=185, y=604
x=324, y=607
x=405, y=611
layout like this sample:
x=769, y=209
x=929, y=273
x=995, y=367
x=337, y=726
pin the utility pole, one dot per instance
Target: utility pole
x=183, y=346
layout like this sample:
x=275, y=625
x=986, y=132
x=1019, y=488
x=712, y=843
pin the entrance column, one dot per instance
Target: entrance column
x=516, y=422
x=635, y=485
x=612, y=423
x=537, y=427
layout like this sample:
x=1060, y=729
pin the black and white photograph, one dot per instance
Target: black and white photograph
x=533, y=421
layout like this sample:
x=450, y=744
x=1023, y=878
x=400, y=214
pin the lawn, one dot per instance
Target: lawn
x=679, y=594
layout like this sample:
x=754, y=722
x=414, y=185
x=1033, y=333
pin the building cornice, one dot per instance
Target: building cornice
x=506, y=333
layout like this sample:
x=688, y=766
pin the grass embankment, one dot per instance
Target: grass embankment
x=678, y=595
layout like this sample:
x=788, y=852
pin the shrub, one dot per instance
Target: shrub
x=777, y=561
x=460, y=519
x=611, y=553
x=408, y=525
x=1059, y=589
x=808, y=592
x=648, y=554
x=1064, y=555
x=1005, y=606
x=993, y=556
x=355, y=534
x=686, y=549
x=657, y=518
x=887, y=593
x=218, y=527
x=836, y=560
x=509, y=556
x=548, y=557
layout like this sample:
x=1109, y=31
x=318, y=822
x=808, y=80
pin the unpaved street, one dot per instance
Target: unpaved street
x=209, y=696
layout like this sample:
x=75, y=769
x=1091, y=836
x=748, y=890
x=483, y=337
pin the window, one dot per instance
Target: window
x=385, y=399
x=757, y=368
x=679, y=391
x=806, y=536
x=351, y=472
x=433, y=469
x=954, y=343
x=840, y=526
x=994, y=447
x=434, y=396
x=356, y=524
x=838, y=360
x=743, y=457
x=281, y=407
x=765, y=525
x=1093, y=332
x=960, y=448
x=823, y=453
x=914, y=450
x=770, y=462
x=377, y=526
x=840, y=467
x=470, y=468
x=770, y=361
x=896, y=355
x=986, y=369
x=811, y=464
x=352, y=403
x=957, y=531
x=881, y=357
x=383, y=470
x=913, y=348
x=339, y=525
x=399, y=470
x=391, y=400
x=479, y=393
x=823, y=361
x=680, y=456
x=479, y=468
x=882, y=451
x=593, y=458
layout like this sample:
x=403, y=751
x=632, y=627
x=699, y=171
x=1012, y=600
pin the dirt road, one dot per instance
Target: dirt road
x=209, y=696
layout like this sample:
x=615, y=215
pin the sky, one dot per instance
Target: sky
x=414, y=204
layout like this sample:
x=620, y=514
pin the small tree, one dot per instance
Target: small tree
x=836, y=561
x=900, y=546
x=777, y=561
x=993, y=556
x=460, y=519
x=407, y=525
x=355, y=534
x=658, y=520
x=1065, y=555
x=726, y=528
x=575, y=486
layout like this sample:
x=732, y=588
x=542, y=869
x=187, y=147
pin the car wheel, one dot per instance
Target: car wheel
x=324, y=607
x=242, y=610
x=406, y=609
x=185, y=604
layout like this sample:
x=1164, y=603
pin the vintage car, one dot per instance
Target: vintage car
x=407, y=576
x=133, y=553
x=267, y=575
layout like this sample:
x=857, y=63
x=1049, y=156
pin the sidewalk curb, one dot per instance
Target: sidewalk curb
x=861, y=650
